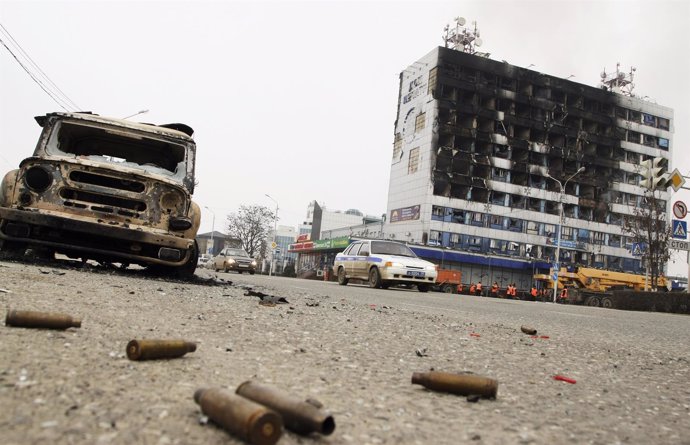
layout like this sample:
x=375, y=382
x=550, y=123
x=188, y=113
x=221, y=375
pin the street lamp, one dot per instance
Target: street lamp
x=275, y=231
x=557, y=268
x=213, y=229
x=136, y=114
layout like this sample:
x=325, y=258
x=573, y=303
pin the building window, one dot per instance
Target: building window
x=663, y=123
x=566, y=233
x=437, y=213
x=397, y=147
x=413, y=164
x=532, y=227
x=420, y=122
x=663, y=143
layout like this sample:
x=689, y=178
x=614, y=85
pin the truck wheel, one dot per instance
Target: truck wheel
x=12, y=250
x=592, y=301
x=342, y=278
x=374, y=278
x=185, y=271
x=607, y=302
x=448, y=289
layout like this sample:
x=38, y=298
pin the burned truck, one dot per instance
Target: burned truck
x=105, y=189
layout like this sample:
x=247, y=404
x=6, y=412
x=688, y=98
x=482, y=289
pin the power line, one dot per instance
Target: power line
x=64, y=102
x=26, y=55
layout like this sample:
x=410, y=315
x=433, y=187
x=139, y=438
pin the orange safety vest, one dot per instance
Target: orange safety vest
x=533, y=292
x=473, y=288
x=479, y=287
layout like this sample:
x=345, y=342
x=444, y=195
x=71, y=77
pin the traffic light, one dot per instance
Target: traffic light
x=654, y=174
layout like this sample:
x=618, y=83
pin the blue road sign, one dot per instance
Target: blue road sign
x=638, y=249
x=680, y=229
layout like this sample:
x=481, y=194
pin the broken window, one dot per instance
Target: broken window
x=437, y=213
x=420, y=122
x=397, y=147
x=634, y=136
x=515, y=225
x=649, y=141
x=499, y=174
x=634, y=116
x=566, y=233
x=413, y=164
x=433, y=75
x=622, y=113
x=126, y=147
x=496, y=222
x=532, y=227
x=664, y=123
x=458, y=216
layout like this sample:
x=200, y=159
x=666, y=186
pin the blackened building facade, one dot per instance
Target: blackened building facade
x=479, y=148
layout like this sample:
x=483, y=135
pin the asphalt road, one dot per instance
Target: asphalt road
x=351, y=347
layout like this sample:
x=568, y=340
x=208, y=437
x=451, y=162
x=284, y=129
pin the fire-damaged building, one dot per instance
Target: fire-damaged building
x=485, y=151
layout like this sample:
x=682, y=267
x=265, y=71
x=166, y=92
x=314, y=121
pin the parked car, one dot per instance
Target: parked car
x=105, y=189
x=235, y=259
x=383, y=264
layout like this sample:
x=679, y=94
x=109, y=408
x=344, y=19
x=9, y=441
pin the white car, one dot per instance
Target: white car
x=382, y=264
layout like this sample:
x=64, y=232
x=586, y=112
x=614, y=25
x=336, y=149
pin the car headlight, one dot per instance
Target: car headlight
x=254, y=263
x=430, y=267
x=231, y=261
x=393, y=264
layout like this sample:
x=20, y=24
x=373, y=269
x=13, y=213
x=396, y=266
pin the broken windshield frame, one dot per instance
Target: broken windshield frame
x=128, y=148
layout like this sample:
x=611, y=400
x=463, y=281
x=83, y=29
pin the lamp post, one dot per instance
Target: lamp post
x=213, y=229
x=136, y=114
x=557, y=268
x=275, y=232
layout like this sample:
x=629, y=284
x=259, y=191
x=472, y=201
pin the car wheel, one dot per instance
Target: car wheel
x=251, y=272
x=423, y=287
x=185, y=271
x=342, y=278
x=374, y=278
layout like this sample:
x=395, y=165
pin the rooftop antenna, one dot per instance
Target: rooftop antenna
x=465, y=39
x=619, y=82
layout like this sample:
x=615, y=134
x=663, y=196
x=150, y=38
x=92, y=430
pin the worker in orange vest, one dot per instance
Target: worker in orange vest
x=494, y=289
x=533, y=293
x=460, y=288
x=564, y=294
x=509, y=291
x=514, y=292
x=473, y=289
x=479, y=288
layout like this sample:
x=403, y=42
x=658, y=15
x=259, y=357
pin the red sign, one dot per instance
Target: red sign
x=303, y=237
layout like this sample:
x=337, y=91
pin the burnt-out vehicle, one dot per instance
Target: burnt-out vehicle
x=105, y=189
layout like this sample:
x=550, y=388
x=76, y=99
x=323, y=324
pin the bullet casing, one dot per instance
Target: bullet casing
x=46, y=320
x=155, y=349
x=299, y=416
x=242, y=417
x=462, y=384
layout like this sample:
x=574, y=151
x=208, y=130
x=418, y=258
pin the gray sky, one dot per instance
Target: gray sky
x=298, y=99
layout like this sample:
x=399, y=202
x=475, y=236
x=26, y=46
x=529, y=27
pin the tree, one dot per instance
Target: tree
x=649, y=227
x=251, y=225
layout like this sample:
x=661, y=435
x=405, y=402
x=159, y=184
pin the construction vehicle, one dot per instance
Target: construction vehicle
x=592, y=287
x=448, y=281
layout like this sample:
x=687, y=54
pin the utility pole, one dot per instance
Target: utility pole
x=557, y=264
x=275, y=232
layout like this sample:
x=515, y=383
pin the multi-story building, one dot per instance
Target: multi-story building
x=284, y=237
x=484, y=151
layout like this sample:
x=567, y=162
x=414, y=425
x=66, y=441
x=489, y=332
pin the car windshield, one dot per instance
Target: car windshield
x=236, y=252
x=382, y=247
x=118, y=146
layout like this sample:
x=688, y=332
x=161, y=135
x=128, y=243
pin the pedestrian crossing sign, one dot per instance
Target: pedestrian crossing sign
x=638, y=249
x=680, y=229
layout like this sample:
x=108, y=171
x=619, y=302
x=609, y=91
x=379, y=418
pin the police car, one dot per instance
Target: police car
x=382, y=264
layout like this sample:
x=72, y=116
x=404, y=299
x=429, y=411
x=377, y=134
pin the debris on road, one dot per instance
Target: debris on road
x=301, y=417
x=421, y=352
x=45, y=320
x=5, y=291
x=474, y=334
x=529, y=330
x=265, y=297
x=157, y=349
x=563, y=378
x=462, y=384
x=240, y=416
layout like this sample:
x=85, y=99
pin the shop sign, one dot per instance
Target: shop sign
x=405, y=214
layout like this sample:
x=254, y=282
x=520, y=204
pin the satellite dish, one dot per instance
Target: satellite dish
x=461, y=21
x=478, y=41
x=603, y=74
x=621, y=76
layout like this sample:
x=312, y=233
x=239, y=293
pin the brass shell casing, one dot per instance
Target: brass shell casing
x=299, y=416
x=242, y=417
x=46, y=320
x=155, y=349
x=462, y=384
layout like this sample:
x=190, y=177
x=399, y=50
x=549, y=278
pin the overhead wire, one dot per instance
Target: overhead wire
x=28, y=57
x=59, y=98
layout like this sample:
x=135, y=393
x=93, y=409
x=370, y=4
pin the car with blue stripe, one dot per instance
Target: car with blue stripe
x=383, y=264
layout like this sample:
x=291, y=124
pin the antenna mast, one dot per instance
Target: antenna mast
x=461, y=38
x=619, y=82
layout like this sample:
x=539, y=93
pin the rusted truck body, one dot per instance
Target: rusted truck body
x=105, y=189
